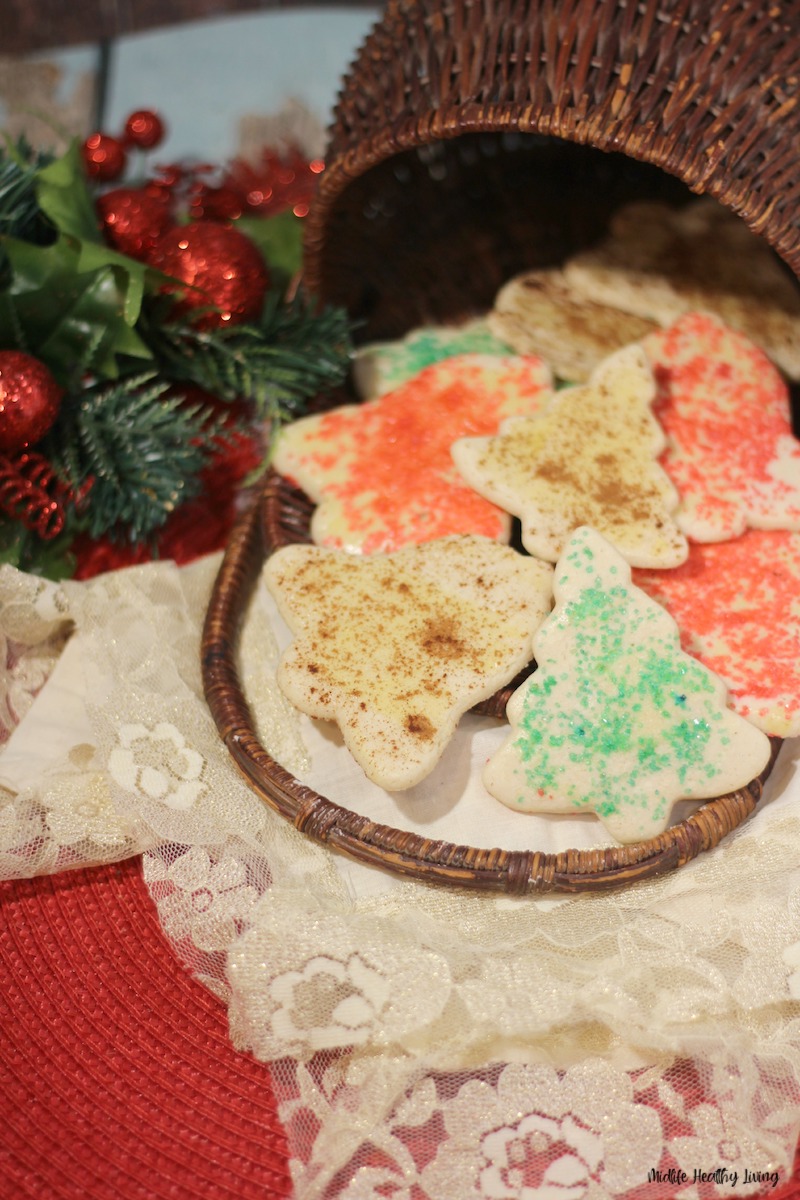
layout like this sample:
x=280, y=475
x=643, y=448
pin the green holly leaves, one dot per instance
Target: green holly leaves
x=74, y=303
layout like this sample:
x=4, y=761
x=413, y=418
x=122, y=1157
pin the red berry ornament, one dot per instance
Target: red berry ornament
x=29, y=400
x=215, y=204
x=144, y=129
x=134, y=219
x=222, y=267
x=104, y=157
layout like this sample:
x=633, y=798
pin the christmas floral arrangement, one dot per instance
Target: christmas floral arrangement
x=149, y=338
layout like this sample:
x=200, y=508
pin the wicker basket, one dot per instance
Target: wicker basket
x=477, y=138
x=473, y=140
x=281, y=517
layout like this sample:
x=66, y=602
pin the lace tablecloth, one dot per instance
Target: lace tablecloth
x=422, y=1042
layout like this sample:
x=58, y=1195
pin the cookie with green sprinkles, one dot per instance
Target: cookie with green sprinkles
x=380, y=367
x=617, y=719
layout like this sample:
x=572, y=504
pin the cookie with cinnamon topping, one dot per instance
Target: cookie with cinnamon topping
x=396, y=647
x=538, y=313
x=658, y=263
x=590, y=458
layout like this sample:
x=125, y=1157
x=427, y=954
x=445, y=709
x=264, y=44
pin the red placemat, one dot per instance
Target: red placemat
x=117, y=1076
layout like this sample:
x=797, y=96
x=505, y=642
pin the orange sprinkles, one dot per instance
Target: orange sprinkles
x=381, y=472
x=725, y=410
x=737, y=605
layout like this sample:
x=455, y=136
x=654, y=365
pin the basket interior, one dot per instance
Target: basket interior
x=431, y=234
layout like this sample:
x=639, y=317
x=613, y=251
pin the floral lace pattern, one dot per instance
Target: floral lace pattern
x=206, y=901
x=156, y=761
x=32, y=635
x=344, y=1000
x=23, y=675
x=425, y=1044
x=327, y=989
x=561, y=1142
x=516, y=1132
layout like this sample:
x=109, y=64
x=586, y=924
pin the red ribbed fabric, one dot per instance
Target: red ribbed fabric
x=117, y=1076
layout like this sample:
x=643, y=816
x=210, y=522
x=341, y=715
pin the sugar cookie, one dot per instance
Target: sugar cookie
x=381, y=472
x=381, y=367
x=538, y=313
x=659, y=262
x=589, y=458
x=725, y=410
x=396, y=647
x=617, y=718
x=737, y=605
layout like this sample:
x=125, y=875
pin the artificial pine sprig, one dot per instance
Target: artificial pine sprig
x=295, y=352
x=134, y=452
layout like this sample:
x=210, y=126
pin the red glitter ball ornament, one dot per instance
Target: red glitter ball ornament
x=134, y=219
x=104, y=157
x=222, y=268
x=144, y=129
x=29, y=400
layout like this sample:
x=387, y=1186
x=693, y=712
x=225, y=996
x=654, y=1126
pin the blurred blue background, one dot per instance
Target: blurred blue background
x=220, y=84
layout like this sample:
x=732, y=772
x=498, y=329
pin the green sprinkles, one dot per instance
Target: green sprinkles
x=401, y=361
x=617, y=718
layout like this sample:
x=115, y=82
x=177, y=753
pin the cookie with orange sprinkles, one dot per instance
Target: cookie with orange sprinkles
x=737, y=605
x=726, y=412
x=381, y=473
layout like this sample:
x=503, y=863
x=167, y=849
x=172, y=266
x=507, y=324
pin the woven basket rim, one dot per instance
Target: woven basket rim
x=527, y=872
x=462, y=120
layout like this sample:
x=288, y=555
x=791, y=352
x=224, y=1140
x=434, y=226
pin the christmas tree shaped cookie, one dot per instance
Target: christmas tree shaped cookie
x=660, y=262
x=617, y=719
x=381, y=472
x=589, y=459
x=396, y=647
x=725, y=410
